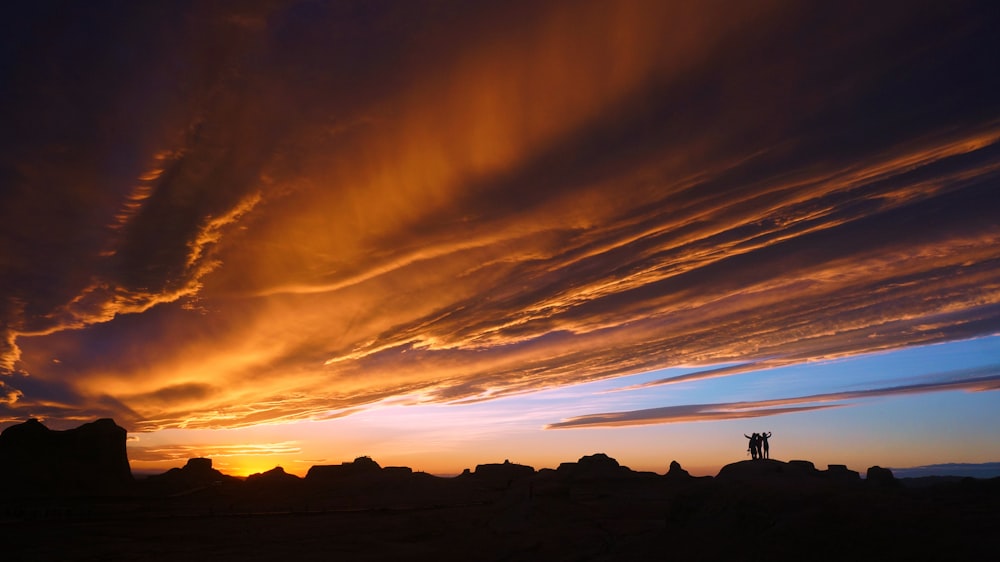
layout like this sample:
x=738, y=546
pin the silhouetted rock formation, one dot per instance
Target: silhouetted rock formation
x=363, y=483
x=676, y=472
x=802, y=466
x=501, y=475
x=397, y=471
x=361, y=467
x=788, y=472
x=841, y=472
x=757, y=469
x=594, y=466
x=274, y=477
x=275, y=487
x=200, y=466
x=879, y=476
x=196, y=474
x=86, y=460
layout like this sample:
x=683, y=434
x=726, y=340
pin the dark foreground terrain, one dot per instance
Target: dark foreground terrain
x=592, y=509
x=538, y=517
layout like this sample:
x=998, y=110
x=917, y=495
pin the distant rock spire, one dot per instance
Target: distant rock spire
x=676, y=471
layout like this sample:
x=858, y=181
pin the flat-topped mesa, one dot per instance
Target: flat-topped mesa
x=594, y=466
x=197, y=473
x=500, y=474
x=363, y=468
x=200, y=466
x=35, y=460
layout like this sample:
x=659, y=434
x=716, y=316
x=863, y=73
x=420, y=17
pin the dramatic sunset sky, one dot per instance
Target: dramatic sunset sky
x=443, y=233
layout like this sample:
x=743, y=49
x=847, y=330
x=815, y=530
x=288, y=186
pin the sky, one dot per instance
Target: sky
x=444, y=233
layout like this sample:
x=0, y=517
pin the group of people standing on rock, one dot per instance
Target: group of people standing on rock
x=759, y=449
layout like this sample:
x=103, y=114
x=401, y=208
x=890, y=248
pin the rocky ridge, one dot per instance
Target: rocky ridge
x=591, y=509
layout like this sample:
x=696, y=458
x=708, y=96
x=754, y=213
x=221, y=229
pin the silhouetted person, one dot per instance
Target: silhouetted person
x=754, y=444
x=766, y=452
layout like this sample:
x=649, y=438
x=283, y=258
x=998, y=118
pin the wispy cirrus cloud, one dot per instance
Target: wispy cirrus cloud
x=982, y=380
x=173, y=453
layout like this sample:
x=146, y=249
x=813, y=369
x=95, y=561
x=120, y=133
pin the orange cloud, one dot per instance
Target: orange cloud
x=183, y=452
x=327, y=213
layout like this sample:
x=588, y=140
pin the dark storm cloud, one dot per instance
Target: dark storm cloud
x=228, y=214
x=107, y=165
x=57, y=403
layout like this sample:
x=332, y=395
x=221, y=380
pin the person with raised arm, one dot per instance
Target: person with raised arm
x=765, y=452
x=754, y=444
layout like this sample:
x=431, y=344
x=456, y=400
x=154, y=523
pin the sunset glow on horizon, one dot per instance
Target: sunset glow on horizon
x=449, y=233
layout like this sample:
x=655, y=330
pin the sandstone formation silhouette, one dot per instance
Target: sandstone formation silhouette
x=361, y=467
x=500, y=475
x=841, y=472
x=90, y=459
x=677, y=472
x=274, y=477
x=196, y=474
x=878, y=476
x=768, y=468
x=594, y=466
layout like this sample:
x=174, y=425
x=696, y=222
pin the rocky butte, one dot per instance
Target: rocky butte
x=90, y=459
